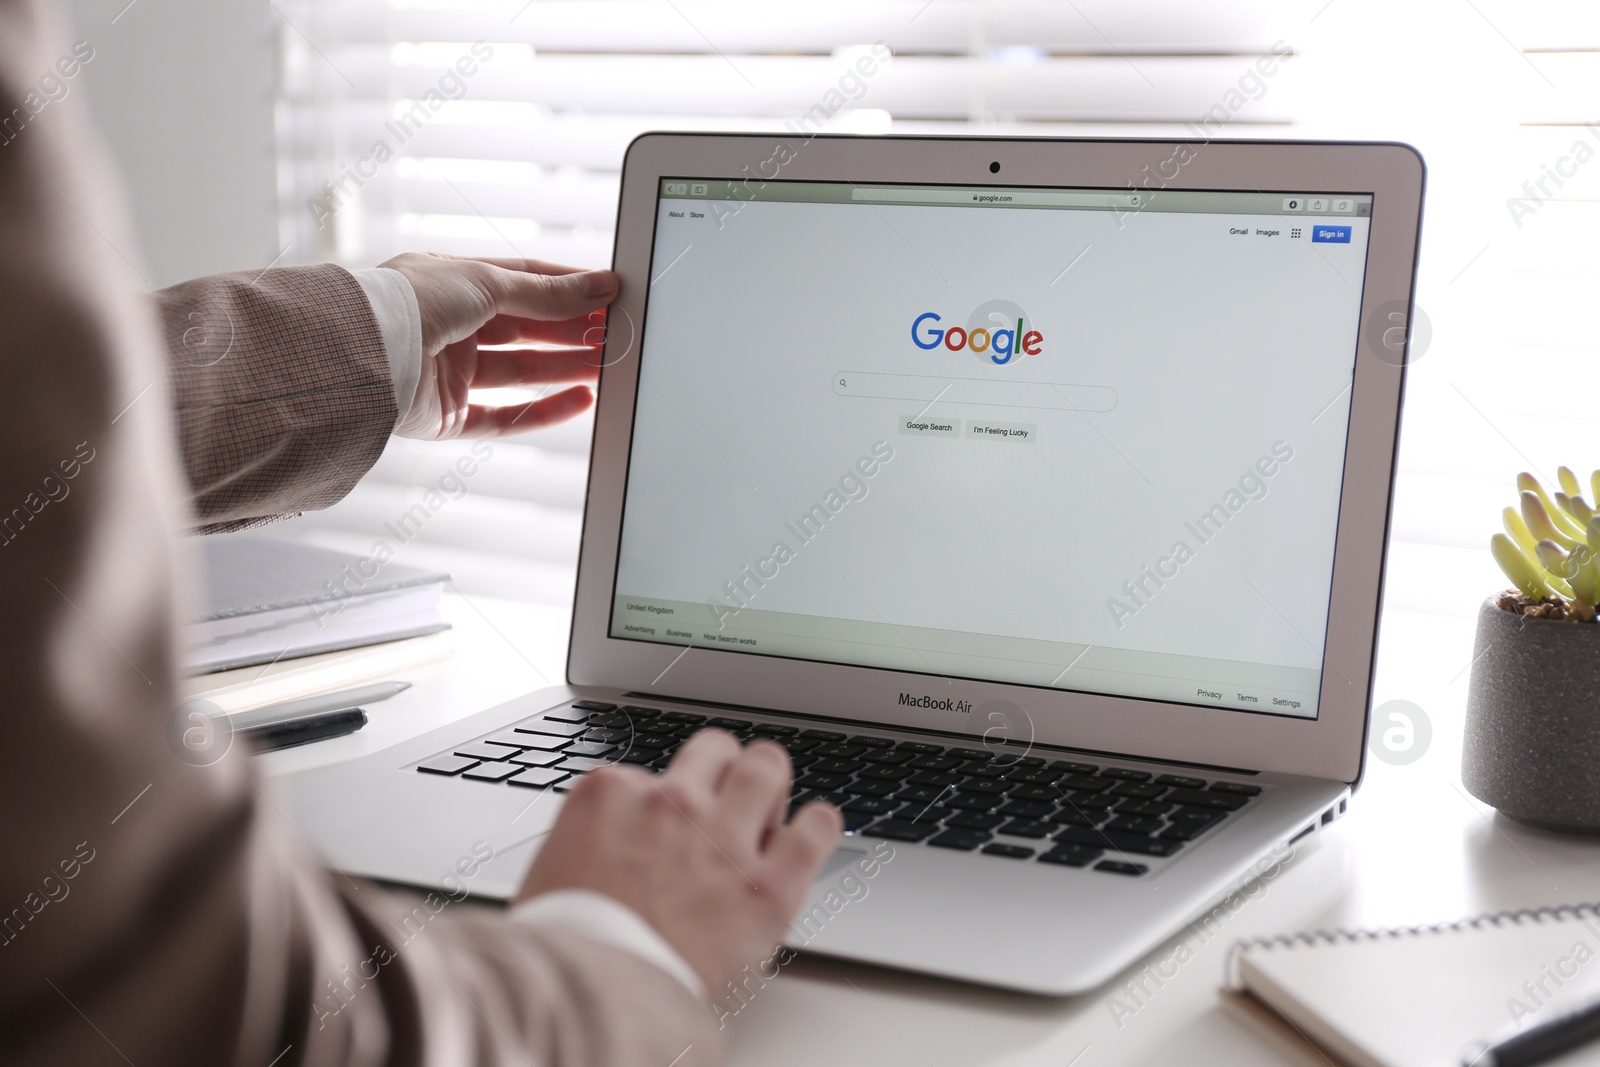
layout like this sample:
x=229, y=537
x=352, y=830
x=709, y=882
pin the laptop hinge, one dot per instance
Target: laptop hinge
x=1025, y=746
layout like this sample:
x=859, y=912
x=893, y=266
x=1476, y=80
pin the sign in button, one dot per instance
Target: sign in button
x=1326, y=235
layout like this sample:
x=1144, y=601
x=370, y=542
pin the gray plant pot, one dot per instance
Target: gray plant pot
x=1533, y=722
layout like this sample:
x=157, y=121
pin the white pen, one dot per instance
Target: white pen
x=295, y=709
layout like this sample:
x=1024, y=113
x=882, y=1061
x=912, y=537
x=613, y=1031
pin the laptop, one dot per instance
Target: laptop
x=1032, y=492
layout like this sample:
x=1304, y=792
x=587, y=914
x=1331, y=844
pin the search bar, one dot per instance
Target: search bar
x=1023, y=198
x=930, y=389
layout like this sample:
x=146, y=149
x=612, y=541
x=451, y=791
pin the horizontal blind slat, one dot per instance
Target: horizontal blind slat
x=526, y=162
x=591, y=200
x=691, y=26
x=807, y=90
x=473, y=572
x=399, y=516
x=510, y=468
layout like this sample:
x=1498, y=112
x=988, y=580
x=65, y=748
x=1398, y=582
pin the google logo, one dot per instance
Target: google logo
x=993, y=345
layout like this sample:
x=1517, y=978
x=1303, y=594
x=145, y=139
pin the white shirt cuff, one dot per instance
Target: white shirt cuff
x=394, y=305
x=600, y=918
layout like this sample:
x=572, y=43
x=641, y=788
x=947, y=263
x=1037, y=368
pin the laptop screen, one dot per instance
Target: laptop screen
x=1080, y=439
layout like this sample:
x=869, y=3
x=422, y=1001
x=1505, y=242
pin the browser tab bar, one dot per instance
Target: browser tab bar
x=1018, y=197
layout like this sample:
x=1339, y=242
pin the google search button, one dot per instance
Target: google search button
x=1337, y=235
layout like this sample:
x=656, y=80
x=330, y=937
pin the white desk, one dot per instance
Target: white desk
x=1414, y=849
x=503, y=649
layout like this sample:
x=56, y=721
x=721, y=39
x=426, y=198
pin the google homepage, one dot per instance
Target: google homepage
x=1063, y=439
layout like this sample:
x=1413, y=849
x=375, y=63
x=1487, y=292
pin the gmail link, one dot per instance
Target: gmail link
x=927, y=388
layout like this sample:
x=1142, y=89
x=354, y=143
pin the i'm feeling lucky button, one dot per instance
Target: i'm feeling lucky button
x=1022, y=432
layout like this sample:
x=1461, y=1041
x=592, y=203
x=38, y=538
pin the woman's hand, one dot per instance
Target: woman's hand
x=704, y=852
x=470, y=302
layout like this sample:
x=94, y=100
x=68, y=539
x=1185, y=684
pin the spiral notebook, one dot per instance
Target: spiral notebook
x=1418, y=996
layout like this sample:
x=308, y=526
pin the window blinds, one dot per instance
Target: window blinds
x=497, y=128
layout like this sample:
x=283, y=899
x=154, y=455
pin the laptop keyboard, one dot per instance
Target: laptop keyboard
x=1018, y=807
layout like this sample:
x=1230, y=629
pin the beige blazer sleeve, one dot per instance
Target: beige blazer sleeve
x=280, y=388
x=154, y=909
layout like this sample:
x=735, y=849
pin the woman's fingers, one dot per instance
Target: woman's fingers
x=513, y=367
x=704, y=759
x=485, y=421
x=550, y=296
x=754, y=797
x=585, y=331
x=520, y=263
x=796, y=851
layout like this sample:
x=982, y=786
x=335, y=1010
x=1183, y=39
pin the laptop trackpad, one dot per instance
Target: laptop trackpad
x=841, y=858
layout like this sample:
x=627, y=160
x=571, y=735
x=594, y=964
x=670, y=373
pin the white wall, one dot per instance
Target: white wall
x=182, y=93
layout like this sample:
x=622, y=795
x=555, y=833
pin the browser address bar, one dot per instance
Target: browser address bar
x=1024, y=198
x=929, y=389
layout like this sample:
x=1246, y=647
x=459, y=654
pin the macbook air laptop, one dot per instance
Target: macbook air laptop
x=1032, y=492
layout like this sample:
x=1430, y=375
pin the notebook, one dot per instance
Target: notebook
x=248, y=688
x=1415, y=997
x=268, y=599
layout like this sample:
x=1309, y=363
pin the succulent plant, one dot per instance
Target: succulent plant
x=1551, y=547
